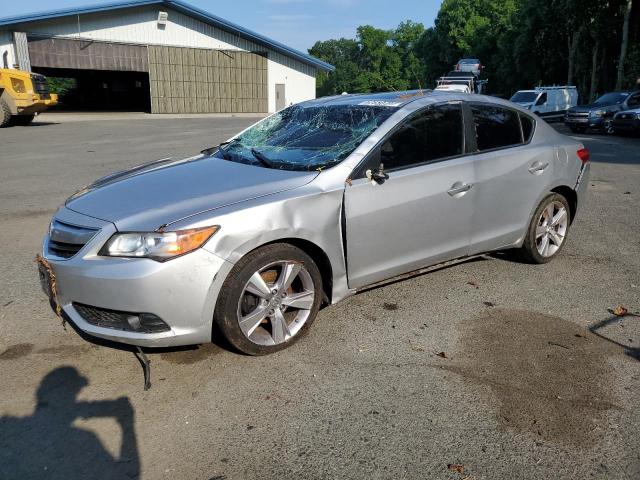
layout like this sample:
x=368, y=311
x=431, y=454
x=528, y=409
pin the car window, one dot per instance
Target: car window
x=542, y=99
x=496, y=127
x=430, y=135
x=527, y=127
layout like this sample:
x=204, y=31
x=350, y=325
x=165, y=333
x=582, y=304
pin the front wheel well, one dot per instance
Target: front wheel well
x=572, y=198
x=320, y=258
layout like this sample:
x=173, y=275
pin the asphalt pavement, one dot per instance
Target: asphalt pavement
x=490, y=369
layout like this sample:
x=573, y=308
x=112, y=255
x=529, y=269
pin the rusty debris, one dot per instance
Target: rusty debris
x=456, y=468
x=619, y=311
x=53, y=285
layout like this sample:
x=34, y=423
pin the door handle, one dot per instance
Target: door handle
x=537, y=168
x=458, y=189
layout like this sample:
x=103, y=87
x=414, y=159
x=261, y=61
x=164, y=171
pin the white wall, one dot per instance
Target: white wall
x=139, y=26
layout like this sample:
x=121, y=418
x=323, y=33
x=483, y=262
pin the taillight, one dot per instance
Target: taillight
x=583, y=155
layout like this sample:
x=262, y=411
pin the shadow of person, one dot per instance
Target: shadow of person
x=47, y=445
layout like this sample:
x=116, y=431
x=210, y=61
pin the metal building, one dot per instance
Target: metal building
x=164, y=56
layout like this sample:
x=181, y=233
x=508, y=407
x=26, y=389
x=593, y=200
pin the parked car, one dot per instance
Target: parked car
x=550, y=103
x=627, y=121
x=453, y=87
x=464, y=82
x=306, y=208
x=472, y=65
x=599, y=114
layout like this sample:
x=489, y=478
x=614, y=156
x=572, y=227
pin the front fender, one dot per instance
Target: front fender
x=314, y=217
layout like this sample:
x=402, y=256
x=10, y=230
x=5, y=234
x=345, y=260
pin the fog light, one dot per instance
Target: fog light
x=152, y=323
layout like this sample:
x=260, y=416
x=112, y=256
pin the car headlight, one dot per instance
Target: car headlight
x=598, y=113
x=159, y=246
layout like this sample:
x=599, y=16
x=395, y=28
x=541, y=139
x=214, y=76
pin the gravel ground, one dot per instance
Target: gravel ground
x=489, y=369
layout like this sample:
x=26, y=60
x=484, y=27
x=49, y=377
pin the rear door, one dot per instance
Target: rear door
x=510, y=175
x=421, y=215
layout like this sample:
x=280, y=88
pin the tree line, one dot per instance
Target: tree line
x=593, y=44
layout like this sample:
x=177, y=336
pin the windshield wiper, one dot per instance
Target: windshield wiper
x=261, y=158
x=210, y=150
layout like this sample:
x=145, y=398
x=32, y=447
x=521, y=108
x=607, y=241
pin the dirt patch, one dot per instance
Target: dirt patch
x=16, y=351
x=551, y=376
x=66, y=350
x=191, y=355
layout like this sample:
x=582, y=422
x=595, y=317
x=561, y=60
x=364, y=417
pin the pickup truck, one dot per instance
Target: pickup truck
x=599, y=114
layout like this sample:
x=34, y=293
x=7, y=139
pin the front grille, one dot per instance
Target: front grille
x=578, y=114
x=118, y=320
x=65, y=240
x=40, y=84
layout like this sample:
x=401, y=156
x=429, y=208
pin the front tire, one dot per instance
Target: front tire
x=269, y=300
x=548, y=230
x=5, y=114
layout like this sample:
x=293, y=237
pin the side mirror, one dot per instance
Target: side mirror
x=379, y=176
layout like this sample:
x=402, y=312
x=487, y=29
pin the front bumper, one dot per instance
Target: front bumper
x=182, y=291
x=627, y=125
x=585, y=122
x=37, y=104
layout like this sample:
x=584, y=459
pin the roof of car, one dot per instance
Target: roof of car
x=382, y=99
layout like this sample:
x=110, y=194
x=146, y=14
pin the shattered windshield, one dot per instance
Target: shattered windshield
x=306, y=137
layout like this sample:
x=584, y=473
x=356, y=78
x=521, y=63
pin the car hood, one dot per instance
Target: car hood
x=159, y=193
x=631, y=110
x=593, y=106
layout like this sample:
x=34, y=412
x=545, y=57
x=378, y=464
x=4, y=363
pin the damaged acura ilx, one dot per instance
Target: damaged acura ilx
x=305, y=208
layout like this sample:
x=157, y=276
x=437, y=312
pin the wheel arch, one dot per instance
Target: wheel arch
x=572, y=198
x=318, y=255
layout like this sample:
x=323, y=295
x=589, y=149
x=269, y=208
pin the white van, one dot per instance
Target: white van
x=550, y=103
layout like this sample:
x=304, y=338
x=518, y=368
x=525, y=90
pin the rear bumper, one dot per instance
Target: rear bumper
x=582, y=184
x=182, y=291
x=585, y=122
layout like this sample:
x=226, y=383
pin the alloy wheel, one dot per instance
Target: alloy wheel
x=551, y=229
x=276, y=302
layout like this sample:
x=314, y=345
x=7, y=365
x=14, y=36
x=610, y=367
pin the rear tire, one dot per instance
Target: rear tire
x=269, y=300
x=23, y=119
x=548, y=230
x=5, y=114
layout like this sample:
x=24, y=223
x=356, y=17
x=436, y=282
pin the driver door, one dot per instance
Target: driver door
x=421, y=215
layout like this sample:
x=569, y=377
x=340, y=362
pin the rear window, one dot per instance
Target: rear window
x=527, y=127
x=496, y=127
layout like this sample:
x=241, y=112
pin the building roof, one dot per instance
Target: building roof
x=180, y=7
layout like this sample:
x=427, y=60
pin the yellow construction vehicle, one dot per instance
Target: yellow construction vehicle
x=22, y=96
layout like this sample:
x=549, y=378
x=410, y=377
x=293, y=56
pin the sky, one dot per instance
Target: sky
x=297, y=23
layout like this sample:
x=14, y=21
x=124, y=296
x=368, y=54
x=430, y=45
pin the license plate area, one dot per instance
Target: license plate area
x=45, y=281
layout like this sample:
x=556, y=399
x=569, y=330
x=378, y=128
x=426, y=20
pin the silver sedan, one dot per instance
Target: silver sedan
x=305, y=208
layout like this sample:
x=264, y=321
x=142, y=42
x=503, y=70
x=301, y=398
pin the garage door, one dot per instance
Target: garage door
x=190, y=80
x=87, y=55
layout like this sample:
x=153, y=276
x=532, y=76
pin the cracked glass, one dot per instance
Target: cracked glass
x=307, y=138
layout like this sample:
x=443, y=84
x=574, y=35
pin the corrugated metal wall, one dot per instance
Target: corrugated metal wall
x=87, y=55
x=22, y=50
x=192, y=80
